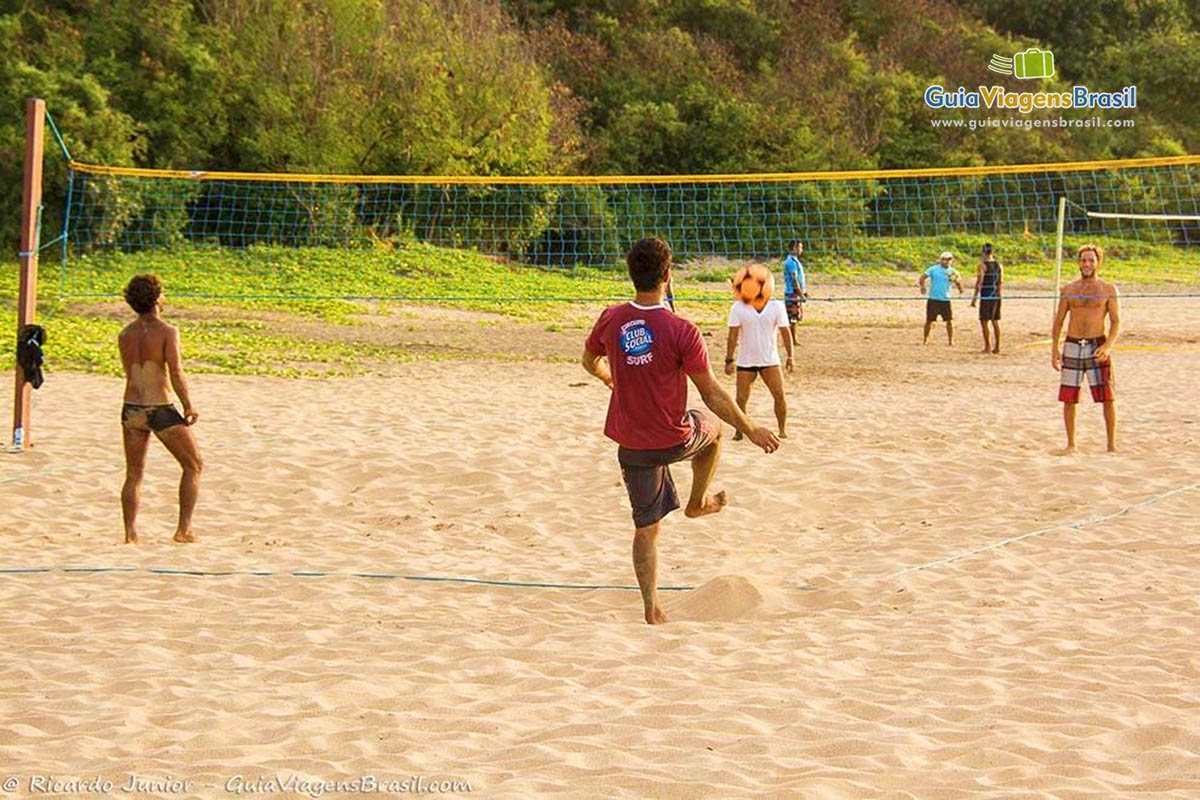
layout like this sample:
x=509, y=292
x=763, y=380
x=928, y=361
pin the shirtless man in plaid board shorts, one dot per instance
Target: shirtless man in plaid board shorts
x=1087, y=302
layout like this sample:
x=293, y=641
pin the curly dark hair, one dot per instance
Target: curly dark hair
x=142, y=292
x=648, y=262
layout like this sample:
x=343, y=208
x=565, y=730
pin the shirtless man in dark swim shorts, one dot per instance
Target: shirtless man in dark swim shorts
x=150, y=352
x=1086, y=352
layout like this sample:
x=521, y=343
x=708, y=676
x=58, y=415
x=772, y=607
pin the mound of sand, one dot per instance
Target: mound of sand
x=723, y=599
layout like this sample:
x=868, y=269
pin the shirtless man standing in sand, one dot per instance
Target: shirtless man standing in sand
x=1088, y=301
x=649, y=351
x=150, y=352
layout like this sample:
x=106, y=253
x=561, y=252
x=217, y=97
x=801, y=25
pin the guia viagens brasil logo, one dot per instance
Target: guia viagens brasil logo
x=1028, y=65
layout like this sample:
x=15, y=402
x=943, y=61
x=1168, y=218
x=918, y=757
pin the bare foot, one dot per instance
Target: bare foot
x=655, y=616
x=131, y=537
x=184, y=538
x=1066, y=451
x=737, y=437
x=782, y=433
x=711, y=505
x=996, y=352
x=1112, y=448
x=985, y=351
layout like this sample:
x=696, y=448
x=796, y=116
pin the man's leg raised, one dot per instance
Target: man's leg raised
x=179, y=440
x=135, y=466
x=704, y=466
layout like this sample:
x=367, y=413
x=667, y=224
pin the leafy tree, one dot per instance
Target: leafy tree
x=45, y=57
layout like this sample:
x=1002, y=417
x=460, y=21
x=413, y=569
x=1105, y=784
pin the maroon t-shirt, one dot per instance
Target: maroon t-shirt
x=650, y=352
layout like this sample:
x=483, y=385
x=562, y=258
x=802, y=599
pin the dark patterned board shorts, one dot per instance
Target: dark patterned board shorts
x=794, y=304
x=647, y=473
x=1078, y=358
x=150, y=418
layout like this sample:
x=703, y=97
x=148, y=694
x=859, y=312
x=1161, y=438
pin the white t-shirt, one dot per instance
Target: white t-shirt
x=758, y=342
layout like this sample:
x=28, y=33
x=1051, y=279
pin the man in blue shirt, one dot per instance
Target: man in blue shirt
x=939, y=277
x=795, y=288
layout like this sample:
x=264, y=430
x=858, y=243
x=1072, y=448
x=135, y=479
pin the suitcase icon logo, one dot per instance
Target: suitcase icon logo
x=1033, y=63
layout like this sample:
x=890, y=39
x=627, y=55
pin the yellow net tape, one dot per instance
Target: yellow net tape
x=593, y=180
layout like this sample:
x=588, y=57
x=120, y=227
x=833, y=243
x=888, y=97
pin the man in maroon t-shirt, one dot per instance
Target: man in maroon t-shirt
x=649, y=351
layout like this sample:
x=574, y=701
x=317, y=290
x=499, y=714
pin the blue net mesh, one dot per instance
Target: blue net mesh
x=276, y=237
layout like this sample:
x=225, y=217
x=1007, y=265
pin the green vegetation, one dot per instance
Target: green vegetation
x=299, y=336
x=416, y=270
x=85, y=341
x=1025, y=259
x=521, y=87
x=327, y=337
x=512, y=87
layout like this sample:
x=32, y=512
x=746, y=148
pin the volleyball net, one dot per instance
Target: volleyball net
x=228, y=234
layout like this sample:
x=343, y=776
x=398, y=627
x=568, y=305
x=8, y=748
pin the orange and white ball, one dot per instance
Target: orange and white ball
x=754, y=284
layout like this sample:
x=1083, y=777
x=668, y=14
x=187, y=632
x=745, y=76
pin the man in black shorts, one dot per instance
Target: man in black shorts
x=989, y=279
x=939, y=277
x=150, y=353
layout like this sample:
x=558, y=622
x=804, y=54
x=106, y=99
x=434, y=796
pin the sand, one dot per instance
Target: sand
x=911, y=598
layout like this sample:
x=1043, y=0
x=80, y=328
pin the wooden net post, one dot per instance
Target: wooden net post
x=31, y=206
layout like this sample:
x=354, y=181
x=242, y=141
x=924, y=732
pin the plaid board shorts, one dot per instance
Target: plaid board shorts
x=1078, y=357
x=647, y=473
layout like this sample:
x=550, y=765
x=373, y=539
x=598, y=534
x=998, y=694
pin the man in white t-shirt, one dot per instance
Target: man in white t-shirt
x=758, y=333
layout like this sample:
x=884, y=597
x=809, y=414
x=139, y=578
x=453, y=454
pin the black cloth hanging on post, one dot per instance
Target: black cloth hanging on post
x=30, y=339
